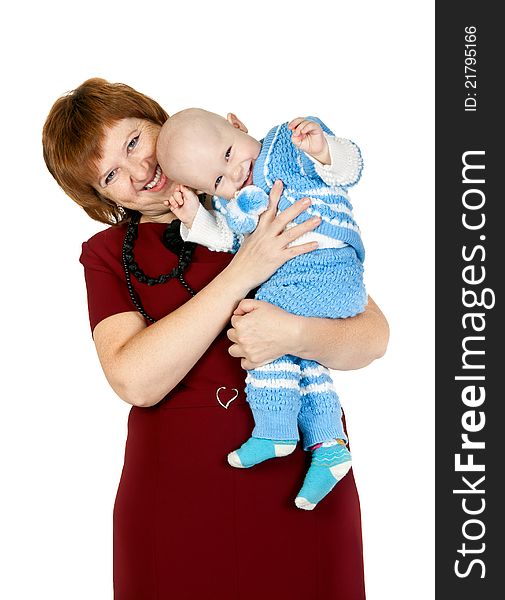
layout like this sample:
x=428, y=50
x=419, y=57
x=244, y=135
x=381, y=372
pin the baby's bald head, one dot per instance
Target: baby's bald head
x=206, y=152
x=183, y=139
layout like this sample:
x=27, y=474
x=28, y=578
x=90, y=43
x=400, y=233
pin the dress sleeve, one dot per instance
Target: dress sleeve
x=105, y=285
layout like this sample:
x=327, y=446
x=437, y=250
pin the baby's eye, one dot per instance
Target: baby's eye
x=133, y=143
x=228, y=152
x=218, y=181
x=110, y=177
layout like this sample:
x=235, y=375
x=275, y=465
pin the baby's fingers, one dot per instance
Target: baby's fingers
x=308, y=127
x=295, y=122
x=173, y=202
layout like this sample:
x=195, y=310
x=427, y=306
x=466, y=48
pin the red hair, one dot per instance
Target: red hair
x=73, y=135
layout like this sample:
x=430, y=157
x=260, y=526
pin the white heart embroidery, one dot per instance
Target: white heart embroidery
x=229, y=401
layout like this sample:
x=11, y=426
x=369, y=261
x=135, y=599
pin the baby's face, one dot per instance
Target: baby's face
x=215, y=157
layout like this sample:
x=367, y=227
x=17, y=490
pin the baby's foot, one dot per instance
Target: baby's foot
x=330, y=463
x=257, y=450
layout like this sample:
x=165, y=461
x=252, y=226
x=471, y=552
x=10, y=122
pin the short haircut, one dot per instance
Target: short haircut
x=73, y=135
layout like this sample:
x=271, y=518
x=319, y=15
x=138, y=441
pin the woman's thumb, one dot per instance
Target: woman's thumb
x=246, y=306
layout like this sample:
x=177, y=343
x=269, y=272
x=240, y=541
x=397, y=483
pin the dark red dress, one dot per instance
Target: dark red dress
x=187, y=526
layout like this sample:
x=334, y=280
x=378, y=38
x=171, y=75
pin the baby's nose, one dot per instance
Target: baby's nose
x=237, y=174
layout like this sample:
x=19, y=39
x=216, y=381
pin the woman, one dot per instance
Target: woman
x=186, y=525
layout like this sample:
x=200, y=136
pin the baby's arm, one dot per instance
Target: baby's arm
x=337, y=161
x=198, y=225
x=184, y=204
x=309, y=137
x=210, y=229
x=346, y=163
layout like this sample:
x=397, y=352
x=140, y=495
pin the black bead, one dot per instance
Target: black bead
x=173, y=241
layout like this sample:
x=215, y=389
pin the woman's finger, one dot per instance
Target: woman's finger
x=247, y=365
x=232, y=335
x=233, y=351
x=302, y=249
x=235, y=319
x=274, y=197
x=286, y=216
x=293, y=233
x=246, y=306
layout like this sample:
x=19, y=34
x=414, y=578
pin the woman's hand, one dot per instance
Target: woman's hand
x=266, y=249
x=261, y=332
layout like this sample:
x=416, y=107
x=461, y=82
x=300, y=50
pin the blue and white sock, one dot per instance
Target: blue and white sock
x=331, y=461
x=257, y=450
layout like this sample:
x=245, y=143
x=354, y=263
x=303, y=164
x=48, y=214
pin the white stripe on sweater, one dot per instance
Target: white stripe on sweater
x=272, y=383
x=317, y=388
x=279, y=366
x=315, y=371
x=334, y=222
x=324, y=241
x=323, y=191
x=276, y=384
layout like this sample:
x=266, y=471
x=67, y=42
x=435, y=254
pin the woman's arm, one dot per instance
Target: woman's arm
x=142, y=364
x=261, y=332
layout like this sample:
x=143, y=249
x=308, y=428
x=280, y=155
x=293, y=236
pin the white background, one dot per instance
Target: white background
x=367, y=69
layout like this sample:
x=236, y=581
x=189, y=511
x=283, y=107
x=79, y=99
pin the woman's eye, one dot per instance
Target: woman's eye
x=133, y=143
x=218, y=180
x=228, y=152
x=110, y=177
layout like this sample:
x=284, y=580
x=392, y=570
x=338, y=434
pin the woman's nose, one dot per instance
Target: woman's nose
x=139, y=169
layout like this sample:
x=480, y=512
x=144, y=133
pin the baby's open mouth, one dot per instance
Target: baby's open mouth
x=248, y=178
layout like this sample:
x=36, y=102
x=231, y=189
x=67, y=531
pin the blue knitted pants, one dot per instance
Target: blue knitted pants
x=290, y=393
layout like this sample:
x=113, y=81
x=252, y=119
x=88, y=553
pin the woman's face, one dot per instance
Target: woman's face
x=128, y=172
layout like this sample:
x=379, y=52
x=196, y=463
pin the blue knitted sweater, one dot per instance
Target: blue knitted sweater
x=280, y=159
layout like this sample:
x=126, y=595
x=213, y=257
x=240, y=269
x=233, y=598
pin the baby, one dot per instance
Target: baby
x=210, y=154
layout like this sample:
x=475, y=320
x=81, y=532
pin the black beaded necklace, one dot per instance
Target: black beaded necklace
x=173, y=241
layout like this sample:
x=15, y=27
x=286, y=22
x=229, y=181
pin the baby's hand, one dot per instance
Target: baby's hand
x=184, y=204
x=308, y=136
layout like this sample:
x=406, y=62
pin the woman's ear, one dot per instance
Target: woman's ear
x=234, y=121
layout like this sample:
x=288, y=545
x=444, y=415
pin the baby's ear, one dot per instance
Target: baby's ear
x=234, y=121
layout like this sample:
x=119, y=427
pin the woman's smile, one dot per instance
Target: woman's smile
x=157, y=182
